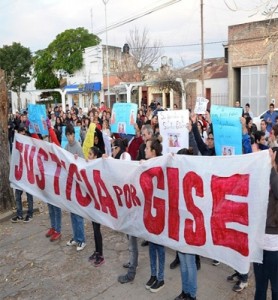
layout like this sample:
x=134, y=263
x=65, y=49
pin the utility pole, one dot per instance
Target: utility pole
x=202, y=49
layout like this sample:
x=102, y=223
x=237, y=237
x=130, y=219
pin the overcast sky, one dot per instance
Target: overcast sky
x=36, y=23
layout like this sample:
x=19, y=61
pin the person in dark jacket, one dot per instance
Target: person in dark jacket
x=268, y=270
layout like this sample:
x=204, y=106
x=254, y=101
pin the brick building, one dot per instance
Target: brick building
x=253, y=64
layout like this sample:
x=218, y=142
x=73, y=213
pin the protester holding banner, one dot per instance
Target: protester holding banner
x=97, y=257
x=98, y=140
x=55, y=213
x=188, y=266
x=273, y=138
x=119, y=152
x=156, y=252
x=147, y=134
x=268, y=270
x=77, y=221
x=18, y=199
x=135, y=142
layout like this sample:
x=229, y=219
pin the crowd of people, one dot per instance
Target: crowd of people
x=147, y=144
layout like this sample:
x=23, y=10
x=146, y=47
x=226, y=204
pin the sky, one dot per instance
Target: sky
x=36, y=23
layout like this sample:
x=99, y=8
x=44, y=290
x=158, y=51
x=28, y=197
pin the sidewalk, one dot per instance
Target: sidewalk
x=32, y=267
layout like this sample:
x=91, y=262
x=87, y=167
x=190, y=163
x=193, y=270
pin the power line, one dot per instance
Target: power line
x=185, y=45
x=137, y=16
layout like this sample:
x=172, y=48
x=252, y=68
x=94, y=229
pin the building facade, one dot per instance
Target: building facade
x=253, y=64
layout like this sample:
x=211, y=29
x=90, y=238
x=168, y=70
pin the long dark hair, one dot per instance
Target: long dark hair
x=275, y=149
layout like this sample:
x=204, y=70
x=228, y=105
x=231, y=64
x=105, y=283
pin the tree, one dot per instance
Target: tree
x=16, y=61
x=139, y=59
x=43, y=71
x=167, y=80
x=67, y=48
x=64, y=54
x=6, y=193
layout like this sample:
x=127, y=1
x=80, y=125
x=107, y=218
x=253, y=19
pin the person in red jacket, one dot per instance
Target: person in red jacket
x=135, y=142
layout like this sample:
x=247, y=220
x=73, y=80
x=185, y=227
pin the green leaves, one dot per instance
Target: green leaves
x=68, y=46
x=64, y=53
x=16, y=61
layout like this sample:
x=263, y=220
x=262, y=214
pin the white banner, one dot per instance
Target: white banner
x=211, y=206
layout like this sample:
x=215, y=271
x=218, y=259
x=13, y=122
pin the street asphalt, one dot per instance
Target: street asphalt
x=32, y=267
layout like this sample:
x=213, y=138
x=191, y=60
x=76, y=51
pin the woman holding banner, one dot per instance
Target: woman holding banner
x=97, y=257
x=268, y=270
x=188, y=265
x=156, y=281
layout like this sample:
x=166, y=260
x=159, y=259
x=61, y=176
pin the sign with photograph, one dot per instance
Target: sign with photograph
x=123, y=118
x=173, y=129
x=201, y=105
x=227, y=129
x=37, y=118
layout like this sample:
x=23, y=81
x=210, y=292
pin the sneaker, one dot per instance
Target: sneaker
x=55, y=236
x=99, y=261
x=215, y=262
x=233, y=277
x=126, y=265
x=151, y=281
x=71, y=242
x=144, y=243
x=16, y=219
x=182, y=296
x=239, y=286
x=50, y=232
x=174, y=263
x=27, y=219
x=125, y=278
x=93, y=256
x=190, y=298
x=80, y=246
x=157, y=286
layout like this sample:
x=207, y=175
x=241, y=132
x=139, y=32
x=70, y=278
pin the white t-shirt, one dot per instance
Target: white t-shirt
x=270, y=242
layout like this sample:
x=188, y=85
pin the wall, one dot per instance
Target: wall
x=253, y=44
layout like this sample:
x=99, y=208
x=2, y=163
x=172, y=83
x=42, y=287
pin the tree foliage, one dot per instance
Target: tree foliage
x=16, y=60
x=43, y=70
x=167, y=80
x=144, y=52
x=64, y=53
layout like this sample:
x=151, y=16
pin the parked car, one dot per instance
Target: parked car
x=257, y=120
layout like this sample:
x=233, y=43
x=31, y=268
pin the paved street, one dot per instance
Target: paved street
x=32, y=267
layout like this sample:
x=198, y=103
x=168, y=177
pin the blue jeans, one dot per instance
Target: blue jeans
x=188, y=273
x=133, y=255
x=55, y=216
x=18, y=199
x=265, y=272
x=157, y=252
x=77, y=224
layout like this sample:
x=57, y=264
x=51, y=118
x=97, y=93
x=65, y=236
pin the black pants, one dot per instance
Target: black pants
x=98, y=237
x=265, y=272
